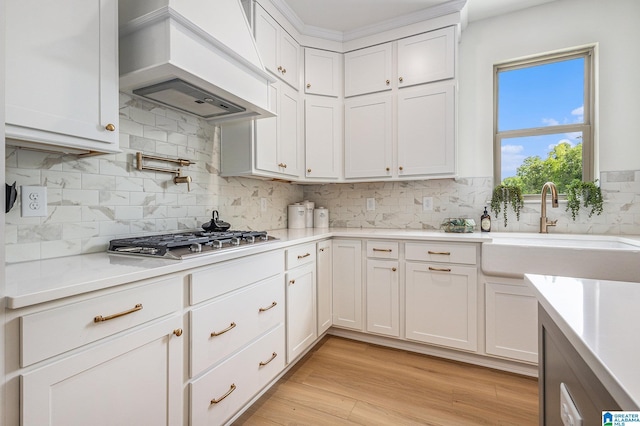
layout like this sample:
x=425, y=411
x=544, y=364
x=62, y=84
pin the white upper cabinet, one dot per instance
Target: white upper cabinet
x=368, y=70
x=279, y=51
x=368, y=137
x=426, y=58
x=62, y=75
x=322, y=70
x=426, y=130
x=323, y=137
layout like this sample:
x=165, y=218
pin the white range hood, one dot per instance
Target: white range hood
x=197, y=56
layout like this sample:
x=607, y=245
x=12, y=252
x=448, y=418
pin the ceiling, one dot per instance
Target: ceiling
x=349, y=15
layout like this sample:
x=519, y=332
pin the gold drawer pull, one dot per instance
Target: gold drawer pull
x=110, y=127
x=231, y=389
x=100, y=318
x=304, y=255
x=384, y=250
x=446, y=253
x=218, y=333
x=440, y=269
x=273, y=356
x=273, y=305
x=177, y=332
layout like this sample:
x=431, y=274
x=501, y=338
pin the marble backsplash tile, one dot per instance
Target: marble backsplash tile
x=95, y=199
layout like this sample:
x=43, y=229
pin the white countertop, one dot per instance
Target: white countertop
x=600, y=318
x=30, y=283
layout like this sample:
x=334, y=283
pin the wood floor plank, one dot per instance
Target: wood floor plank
x=347, y=382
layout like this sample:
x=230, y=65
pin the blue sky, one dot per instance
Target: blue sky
x=539, y=96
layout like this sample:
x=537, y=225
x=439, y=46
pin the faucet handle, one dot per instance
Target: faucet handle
x=183, y=179
x=552, y=222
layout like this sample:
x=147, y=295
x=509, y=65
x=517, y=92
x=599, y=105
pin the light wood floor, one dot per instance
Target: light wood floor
x=344, y=382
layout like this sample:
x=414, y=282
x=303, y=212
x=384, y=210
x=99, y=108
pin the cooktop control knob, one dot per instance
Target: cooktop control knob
x=195, y=248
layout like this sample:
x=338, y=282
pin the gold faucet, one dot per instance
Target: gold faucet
x=544, y=223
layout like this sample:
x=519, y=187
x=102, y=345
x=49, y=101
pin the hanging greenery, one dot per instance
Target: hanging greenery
x=502, y=196
x=586, y=193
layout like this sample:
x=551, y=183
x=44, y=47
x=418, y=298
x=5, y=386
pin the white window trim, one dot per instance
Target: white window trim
x=587, y=127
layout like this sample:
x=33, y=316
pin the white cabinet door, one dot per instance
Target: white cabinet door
x=511, y=322
x=135, y=379
x=383, y=297
x=62, y=65
x=368, y=137
x=347, y=284
x=322, y=70
x=301, y=310
x=426, y=131
x=323, y=137
x=278, y=50
x=324, y=300
x=289, y=132
x=368, y=70
x=440, y=304
x=277, y=139
x=427, y=57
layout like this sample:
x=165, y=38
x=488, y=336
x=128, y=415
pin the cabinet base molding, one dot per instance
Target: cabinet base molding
x=468, y=358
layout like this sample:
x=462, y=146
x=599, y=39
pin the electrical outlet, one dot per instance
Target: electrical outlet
x=263, y=204
x=371, y=204
x=427, y=203
x=34, y=201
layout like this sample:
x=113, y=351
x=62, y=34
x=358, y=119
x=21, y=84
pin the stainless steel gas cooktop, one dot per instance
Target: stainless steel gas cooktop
x=187, y=244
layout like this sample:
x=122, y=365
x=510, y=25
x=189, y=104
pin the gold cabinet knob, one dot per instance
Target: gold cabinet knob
x=177, y=332
x=394, y=269
x=280, y=68
x=308, y=85
x=400, y=79
x=308, y=170
x=400, y=168
x=388, y=82
x=387, y=169
x=110, y=127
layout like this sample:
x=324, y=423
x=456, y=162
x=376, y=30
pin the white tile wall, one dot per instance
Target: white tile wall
x=93, y=200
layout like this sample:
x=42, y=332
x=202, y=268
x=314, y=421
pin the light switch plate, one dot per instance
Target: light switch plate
x=34, y=201
x=427, y=203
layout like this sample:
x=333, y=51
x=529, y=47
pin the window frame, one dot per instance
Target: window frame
x=586, y=128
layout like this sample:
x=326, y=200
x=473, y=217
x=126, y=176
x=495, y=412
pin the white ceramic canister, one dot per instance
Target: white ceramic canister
x=308, y=205
x=321, y=217
x=296, y=217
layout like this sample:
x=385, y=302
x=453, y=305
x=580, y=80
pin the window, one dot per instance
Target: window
x=543, y=128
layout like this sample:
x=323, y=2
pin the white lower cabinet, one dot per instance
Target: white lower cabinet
x=511, y=321
x=132, y=380
x=383, y=297
x=441, y=304
x=225, y=389
x=323, y=283
x=347, y=284
x=301, y=310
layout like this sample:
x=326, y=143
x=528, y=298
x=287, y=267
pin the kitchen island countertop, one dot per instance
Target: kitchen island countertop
x=33, y=282
x=600, y=319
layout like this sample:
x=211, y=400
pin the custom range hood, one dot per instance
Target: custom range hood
x=196, y=56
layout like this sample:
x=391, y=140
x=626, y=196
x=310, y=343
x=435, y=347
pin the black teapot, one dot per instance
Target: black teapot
x=215, y=224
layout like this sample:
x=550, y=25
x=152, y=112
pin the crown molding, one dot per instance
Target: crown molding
x=453, y=6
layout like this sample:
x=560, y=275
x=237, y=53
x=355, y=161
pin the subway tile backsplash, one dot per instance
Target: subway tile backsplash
x=95, y=199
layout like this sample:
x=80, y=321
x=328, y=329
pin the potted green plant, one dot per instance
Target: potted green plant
x=587, y=194
x=505, y=195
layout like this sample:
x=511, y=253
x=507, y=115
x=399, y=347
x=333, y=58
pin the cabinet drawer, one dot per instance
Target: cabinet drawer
x=300, y=255
x=227, y=276
x=224, y=390
x=48, y=333
x=382, y=249
x=225, y=325
x=441, y=252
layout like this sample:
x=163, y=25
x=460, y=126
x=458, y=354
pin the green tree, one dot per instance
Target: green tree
x=562, y=165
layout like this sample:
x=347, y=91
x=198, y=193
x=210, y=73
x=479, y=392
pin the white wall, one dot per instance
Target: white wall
x=613, y=24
